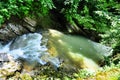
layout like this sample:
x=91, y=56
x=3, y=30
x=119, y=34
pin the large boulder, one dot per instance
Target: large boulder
x=16, y=27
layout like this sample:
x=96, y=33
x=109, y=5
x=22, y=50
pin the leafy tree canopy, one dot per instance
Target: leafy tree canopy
x=101, y=16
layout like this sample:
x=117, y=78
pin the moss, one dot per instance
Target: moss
x=25, y=77
x=48, y=73
x=108, y=73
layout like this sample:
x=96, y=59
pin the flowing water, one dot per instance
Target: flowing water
x=32, y=49
x=29, y=48
x=77, y=50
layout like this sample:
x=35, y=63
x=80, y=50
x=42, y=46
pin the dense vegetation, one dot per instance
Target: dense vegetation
x=101, y=16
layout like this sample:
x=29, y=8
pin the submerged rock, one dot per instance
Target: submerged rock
x=77, y=51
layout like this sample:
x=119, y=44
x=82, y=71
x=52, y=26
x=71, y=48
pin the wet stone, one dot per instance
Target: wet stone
x=3, y=57
x=10, y=67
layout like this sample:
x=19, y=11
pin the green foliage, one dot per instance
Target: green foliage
x=101, y=16
x=25, y=77
x=111, y=72
x=111, y=36
x=84, y=74
x=22, y=8
x=85, y=13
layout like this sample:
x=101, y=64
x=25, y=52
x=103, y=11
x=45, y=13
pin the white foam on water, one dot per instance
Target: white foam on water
x=29, y=48
x=4, y=49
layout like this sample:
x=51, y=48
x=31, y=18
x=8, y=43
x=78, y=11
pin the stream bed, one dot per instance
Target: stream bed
x=34, y=51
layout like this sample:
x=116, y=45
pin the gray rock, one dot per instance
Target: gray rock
x=9, y=68
x=29, y=24
x=3, y=57
x=5, y=34
x=28, y=27
x=30, y=21
x=14, y=28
